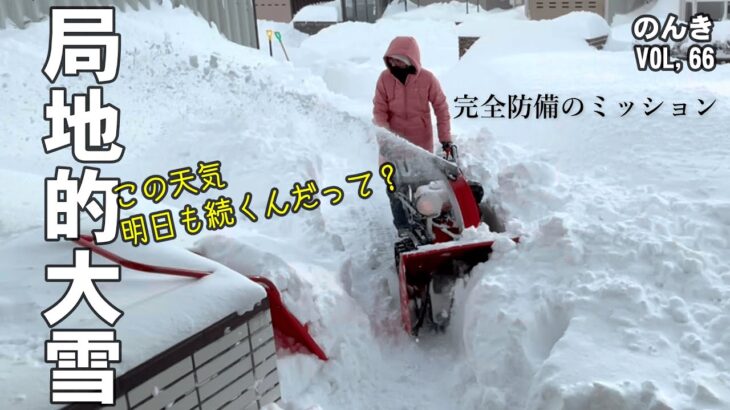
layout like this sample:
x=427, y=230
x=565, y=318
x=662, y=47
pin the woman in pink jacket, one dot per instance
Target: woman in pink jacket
x=401, y=104
x=403, y=94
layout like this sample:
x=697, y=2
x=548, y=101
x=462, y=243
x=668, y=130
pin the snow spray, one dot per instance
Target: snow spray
x=386, y=172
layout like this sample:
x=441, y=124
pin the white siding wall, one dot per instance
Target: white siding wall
x=235, y=19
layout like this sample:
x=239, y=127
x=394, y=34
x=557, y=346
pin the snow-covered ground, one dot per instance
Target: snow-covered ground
x=616, y=298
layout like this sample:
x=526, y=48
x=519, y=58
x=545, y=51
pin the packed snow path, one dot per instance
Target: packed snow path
x=616, y=299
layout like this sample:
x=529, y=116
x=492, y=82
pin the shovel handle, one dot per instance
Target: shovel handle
x=88, y=242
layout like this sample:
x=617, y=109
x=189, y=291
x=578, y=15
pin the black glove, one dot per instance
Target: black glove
x=447, y=147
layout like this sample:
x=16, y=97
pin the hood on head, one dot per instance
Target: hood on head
x=404, y=46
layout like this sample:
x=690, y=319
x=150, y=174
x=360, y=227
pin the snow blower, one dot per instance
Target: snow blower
x=439, y=203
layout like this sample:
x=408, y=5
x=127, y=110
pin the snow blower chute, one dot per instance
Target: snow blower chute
x=436, y=203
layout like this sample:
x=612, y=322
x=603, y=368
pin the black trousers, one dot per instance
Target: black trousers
x=400, y=218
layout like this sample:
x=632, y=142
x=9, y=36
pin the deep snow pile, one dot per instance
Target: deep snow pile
x=617, y=298
x=185, y=95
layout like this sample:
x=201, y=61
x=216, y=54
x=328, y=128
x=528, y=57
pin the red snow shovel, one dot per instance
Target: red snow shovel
x=289, y=332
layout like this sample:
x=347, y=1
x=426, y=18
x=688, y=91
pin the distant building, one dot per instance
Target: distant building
x=482, y=4
x=549, y=9
x=282, y=11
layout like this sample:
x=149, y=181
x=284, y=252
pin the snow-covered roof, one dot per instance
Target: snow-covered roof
x=579, y=24
x=159, y=310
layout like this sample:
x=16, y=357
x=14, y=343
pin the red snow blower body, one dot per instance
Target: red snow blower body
x=431, y=255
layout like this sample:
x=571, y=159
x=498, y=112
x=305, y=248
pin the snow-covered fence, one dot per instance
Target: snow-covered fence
x=597, y=42
x=235, y=19
x=230, y=364
x=362, y=10
x=312, y=27
x=722, y=50
x=465, y=44
x=716, y=9
x=471, y=6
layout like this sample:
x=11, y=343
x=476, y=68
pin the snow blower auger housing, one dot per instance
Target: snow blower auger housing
x=430, y=255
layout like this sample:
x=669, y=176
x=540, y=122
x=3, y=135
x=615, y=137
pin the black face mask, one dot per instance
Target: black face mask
x=402, y=73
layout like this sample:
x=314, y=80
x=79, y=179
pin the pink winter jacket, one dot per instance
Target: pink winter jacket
x=404, y=108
